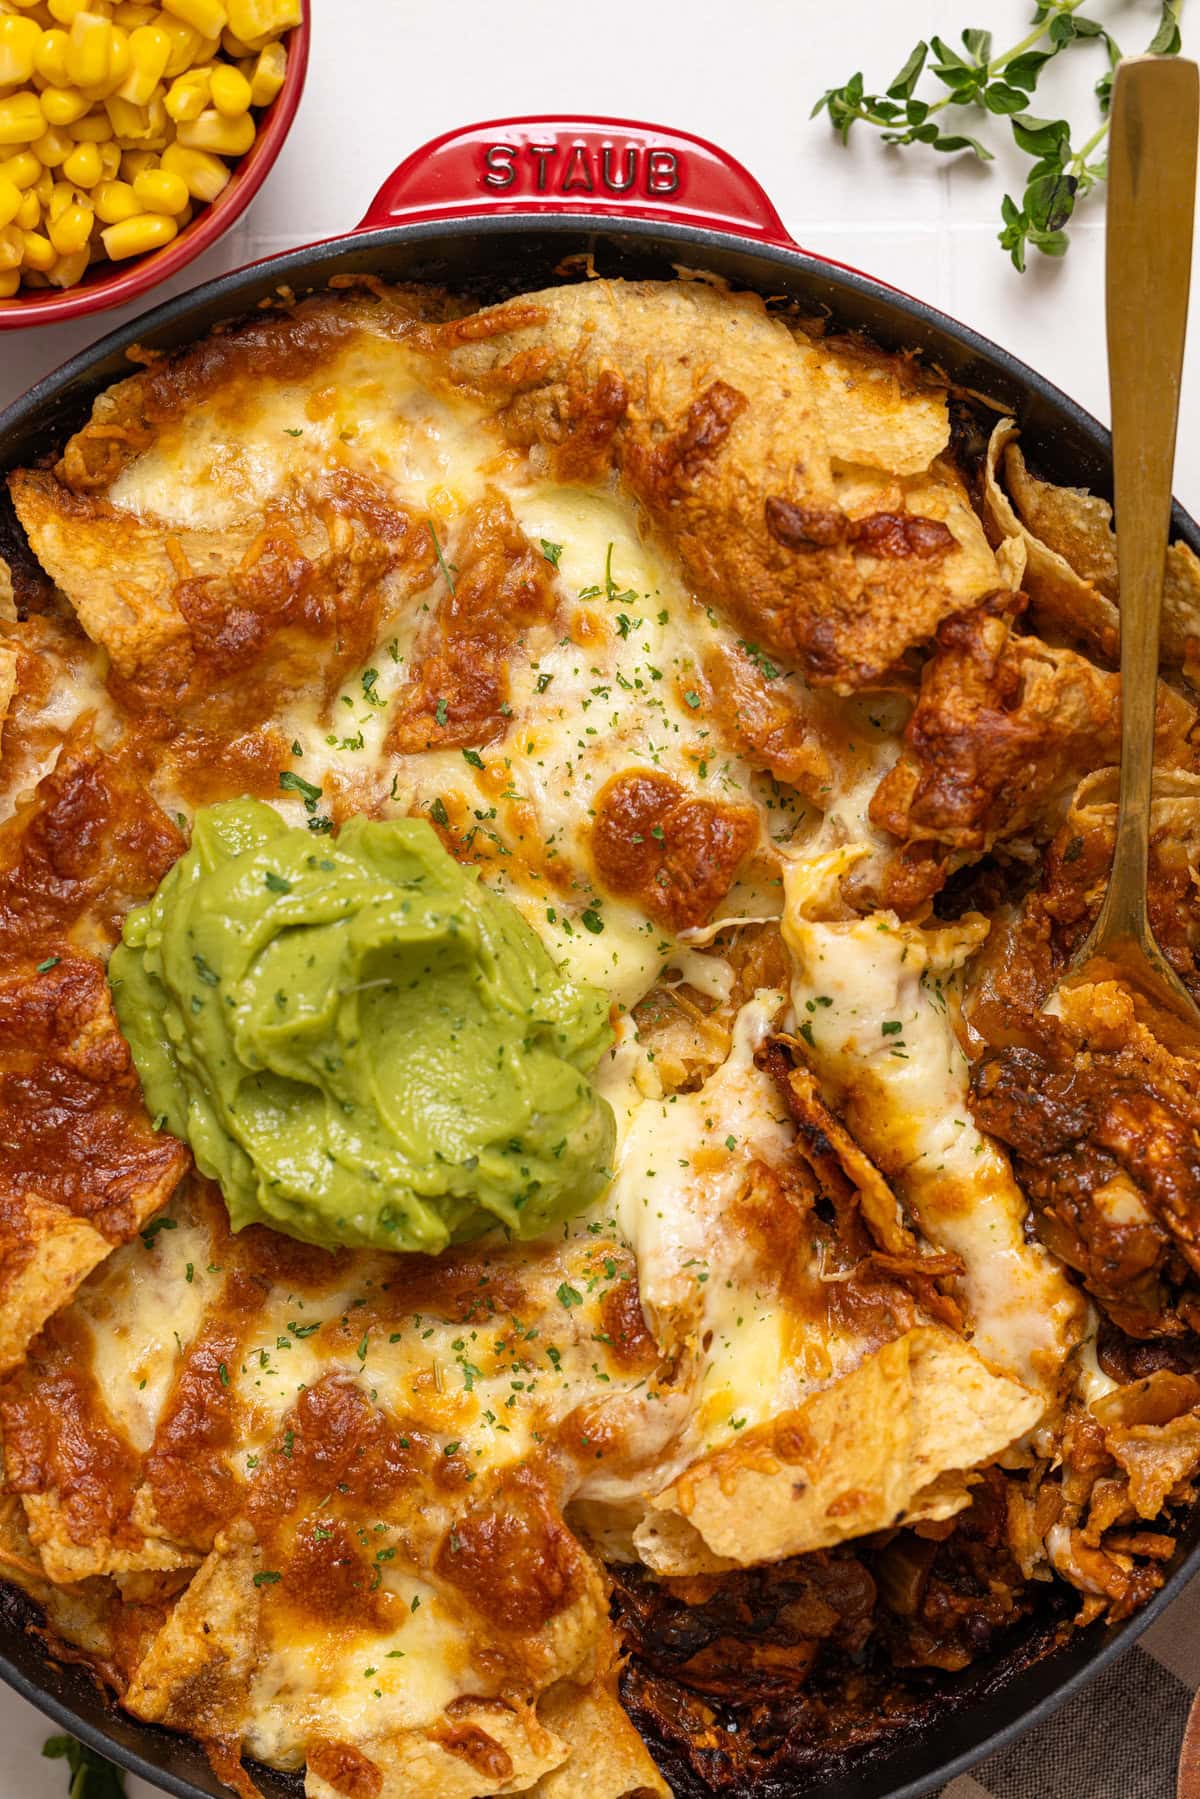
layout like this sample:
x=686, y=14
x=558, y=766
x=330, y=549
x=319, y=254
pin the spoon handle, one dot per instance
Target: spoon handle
x=1151, y=199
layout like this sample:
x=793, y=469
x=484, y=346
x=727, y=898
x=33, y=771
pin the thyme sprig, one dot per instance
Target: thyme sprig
x=1060, y=174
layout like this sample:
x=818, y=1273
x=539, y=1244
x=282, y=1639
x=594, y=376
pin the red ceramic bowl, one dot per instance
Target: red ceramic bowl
x=112, y=284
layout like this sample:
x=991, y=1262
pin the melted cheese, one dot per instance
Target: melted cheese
x=875, y=999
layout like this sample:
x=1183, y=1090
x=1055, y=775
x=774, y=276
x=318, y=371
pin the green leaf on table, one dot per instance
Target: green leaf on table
x=92, y=1777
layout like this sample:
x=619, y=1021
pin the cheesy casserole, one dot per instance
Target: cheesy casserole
x=783, y=708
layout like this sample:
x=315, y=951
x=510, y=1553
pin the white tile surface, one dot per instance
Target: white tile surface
x=387, y=75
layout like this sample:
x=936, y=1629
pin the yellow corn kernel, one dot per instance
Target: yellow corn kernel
x=93, y=128
x=21, y=118
x=65, y=10
x=70, y=231
x=12, y=246
x=63, y=105
x=233, y=45
x=134, y=161
x=23, y=168
x=88, y=49
x=230, y=91
x=125, y=119
x=250, y=19
x=50, y=57
x=110, y=160
x=83, y=165
x=203, y=175
x=158, y=190
x=118, y=63
x=43, y=187
x=39, y=252
x=184, y=44
x=114, y=201
x=149, y=50
x=268, y=76
x=188, y=95
x=69, y=269
x=53, y=147
x=29, y=213
x=12, y=199
x=211, y=131
x=132, y=14
x=62, y=195
x=19, y=39
x=10, y=281
x=208, y=17
x=133, y=237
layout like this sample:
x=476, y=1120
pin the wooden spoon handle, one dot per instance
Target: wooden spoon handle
x=1151, y=200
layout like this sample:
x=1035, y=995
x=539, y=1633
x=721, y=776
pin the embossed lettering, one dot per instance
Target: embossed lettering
x=662, y=172
x=578, y=173
x=543, y=153
x=628, y=172
x=501, y=165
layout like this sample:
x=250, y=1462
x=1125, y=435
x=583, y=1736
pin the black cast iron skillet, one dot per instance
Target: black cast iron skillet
x=494, y=210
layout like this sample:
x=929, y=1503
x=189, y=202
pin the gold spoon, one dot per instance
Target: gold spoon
x=1151, y=200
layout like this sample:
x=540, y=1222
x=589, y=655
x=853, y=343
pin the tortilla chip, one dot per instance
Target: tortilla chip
x=70, y=1105
x=864, y=1454
x=196, y=1675
x=118, y=570
x=1062, y=604
x=1078, y=526
x=608, y=1758
x=868, y=413
x=8, y=598
x=486, y=1747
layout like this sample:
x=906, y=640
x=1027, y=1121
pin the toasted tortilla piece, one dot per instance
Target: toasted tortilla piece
x=1003, y=729
x=8, y=676
x=734, y=467
x=288, y=599
x=873, y=409
x=1077, y=526
x=858, y=1456
x=1064, y=605
x=80, y=1167
x=88, y=844
x=117, y=569
x=608, y=1759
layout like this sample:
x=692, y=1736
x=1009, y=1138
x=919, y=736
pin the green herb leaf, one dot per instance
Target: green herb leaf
x=291, y=782
x=92, y=1777
x=999, y=85
x=551, y=551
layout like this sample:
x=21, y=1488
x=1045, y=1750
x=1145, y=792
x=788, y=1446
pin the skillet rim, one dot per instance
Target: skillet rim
x=44, y=412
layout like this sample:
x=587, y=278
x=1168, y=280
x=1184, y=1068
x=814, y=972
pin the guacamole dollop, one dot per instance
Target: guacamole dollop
x=360, y=1042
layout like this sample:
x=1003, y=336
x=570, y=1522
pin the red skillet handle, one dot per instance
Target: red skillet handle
x=547, y=164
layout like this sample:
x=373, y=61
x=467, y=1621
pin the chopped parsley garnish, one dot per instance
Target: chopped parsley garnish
x=592, y=921
x=765, y=667
x=291, y=782
x=206, y=971
x=448, y=569
x=267, y=1577
x=692, y=698
x=439, y=814
x=569, y=1296
x=276, y=883
x=473, y=757
x=159, y=1224
x=44, y=968
x=891, y=1027
x=441, y=712
x=551, y=551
